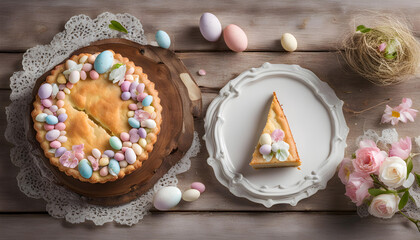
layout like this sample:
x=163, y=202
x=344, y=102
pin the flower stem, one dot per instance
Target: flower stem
x=416, y=222
x=376, y=180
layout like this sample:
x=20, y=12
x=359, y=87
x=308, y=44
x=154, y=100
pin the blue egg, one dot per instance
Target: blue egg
x=104, y=61
x=147, y=101
x=163, y=39
x=115, y=143
x=113, y=167
x=51, y=119
x=134, y=123
x=85, y=169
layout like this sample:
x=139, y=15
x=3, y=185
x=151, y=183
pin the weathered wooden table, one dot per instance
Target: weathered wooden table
x=318, y=27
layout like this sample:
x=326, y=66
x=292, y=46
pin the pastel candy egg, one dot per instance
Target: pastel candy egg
x=113, y=167
x=62, y=117
x=137, y=149
x=163, y=39
x=119, y=156
x=132, y=106
x=133, y=86
x=60, y=95
x=60, y=151
x=210, y=27
x=142, y=133
x=51, y=119
x=115, y=143
x=167, y=198
x=83, y=75
x=103, y=61
x=125, y=96
x=142, y=142
x=83, y=59
x=149, y=109
x=46, y=102
x=87, y=67
x=60, y=103
x=134, y=135
x=140, y=87
x=265, y=139
x=62, y=139
x=125, y=136
x=60, y=126
x=199, y=186
x=54, y=90
x=103, y=161
x=61, y=110
x=123, y=164
x=48, y=127
x=93, y=75
x=130, y=70
x=288, y=42
x=141, y=96
x=103, y=172
x=45, y=91
x=52, y=135
x=41, y=117
x=191, y=195
x=53, y=108
x=96, y=153
x=134, y=122
x=125, y=86
x=235, y=38
x=55, y=144
x=74, y=77
x=127, y=144
x=85, y=169
x=148, y=123
x=70, y=64
x=109, y=153
x=265, y=149
x=130, y=156
x=91, y=59
x=147, y=101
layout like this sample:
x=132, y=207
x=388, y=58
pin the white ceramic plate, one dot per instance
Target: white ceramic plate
x=236, y=117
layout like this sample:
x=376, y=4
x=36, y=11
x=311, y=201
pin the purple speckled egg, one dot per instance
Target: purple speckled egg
x=60, y=151
x=265, y=149
x=142, y=132
x=52, y=135
x=62, y=117
x=109, y=153
x=125, y=86
x=140, y=87
x=45, y=91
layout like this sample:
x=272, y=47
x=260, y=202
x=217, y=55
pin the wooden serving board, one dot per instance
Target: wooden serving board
x=181, y=102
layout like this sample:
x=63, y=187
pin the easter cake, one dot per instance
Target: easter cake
x=97, y=117
x=276, y=146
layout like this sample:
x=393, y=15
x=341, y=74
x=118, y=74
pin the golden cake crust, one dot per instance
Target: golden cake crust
x=94, y=116
x=276, y=120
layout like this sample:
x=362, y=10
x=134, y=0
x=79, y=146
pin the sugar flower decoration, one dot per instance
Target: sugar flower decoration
x=94, y=162
x=402, y=112
x=277, y=135
x=281, y=150
x=142, y=115
x=71, y=159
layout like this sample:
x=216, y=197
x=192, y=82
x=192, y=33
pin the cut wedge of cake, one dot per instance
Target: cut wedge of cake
x=276, y=146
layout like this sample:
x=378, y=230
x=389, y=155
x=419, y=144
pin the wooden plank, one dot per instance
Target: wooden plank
x=316, y=25
x=215, y=226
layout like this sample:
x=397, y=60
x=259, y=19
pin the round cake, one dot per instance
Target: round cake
x=97, y=117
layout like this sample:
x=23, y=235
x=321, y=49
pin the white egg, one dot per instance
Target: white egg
x=191, y=195
x=288, y=41
x=210, y=27
x=265, y=139
x=167, y=198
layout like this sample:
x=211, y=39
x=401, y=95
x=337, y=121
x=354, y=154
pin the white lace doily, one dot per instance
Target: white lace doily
x=390, y=136
x=34, y=178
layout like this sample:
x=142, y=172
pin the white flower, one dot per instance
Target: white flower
x=384, y=205
x=393, y=172
x=268, y=157
x=281, y=149
x=118, y=74
x=77, y=67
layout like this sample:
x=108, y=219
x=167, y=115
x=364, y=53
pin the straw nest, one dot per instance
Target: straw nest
x=400, y=59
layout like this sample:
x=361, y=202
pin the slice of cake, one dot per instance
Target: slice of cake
x=276, y=147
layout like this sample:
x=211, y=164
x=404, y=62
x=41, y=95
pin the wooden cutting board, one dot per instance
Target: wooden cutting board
x=181, y=102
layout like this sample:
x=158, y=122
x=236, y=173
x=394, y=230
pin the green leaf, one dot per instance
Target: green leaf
x=117, y=26
x=404, y=200
x=117, y=65
x=391, y=49
x=376, y=191
x=363, y=29
x=353, y=156
x=409, y=166
x=417, y=178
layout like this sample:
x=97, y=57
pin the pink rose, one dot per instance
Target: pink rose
x=368, y=158
x=401, y=148
x=357, y=187
x=345, y=169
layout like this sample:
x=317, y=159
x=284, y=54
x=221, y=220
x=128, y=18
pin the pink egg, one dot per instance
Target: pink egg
x=132, y=106
x=198, y=186
x=60, y=126
x=119, y=156
x=60, y=95
x=87, y=67
x=55, y=144
x=83, y=75
x=130, y=71
x=48, y=127
x=91, y=59
x=93, y=75
x=104, y=171
x=125, y=136
x=235, y=38
x=46, y=102
x=125, y=86
x=60, y=103
x=69, y=85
